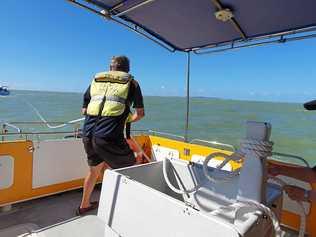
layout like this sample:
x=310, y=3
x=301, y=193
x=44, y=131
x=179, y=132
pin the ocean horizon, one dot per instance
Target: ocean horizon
x=178, y=96
x=213, y=119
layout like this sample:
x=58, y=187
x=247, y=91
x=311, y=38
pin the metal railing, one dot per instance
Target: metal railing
x=20, y=133
x=167, y=135
x=213, y=143
x=76, y=133
x=293, y=157
x=31, y=135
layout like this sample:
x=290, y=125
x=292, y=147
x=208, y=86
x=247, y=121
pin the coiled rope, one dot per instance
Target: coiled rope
x=258, y=148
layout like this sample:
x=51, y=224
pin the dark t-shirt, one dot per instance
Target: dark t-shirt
x=111, y=127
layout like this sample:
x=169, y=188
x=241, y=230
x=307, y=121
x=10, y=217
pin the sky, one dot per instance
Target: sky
x=55, y=46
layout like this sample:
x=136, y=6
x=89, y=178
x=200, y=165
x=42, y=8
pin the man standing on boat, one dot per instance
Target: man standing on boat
x=106, y=105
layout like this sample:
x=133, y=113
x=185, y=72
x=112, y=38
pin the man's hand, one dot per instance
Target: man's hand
x=84, y=111
x=138, y=153
x=138, y=115
x=139, y=158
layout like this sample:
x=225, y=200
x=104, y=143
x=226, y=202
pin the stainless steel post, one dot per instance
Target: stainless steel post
x=187, y=98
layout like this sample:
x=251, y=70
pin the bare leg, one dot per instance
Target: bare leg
x=89, y=183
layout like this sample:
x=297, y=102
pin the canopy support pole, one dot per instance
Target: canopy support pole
x=186, y=138
x=134, y=7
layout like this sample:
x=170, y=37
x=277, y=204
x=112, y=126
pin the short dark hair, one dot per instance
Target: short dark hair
x=120, y=63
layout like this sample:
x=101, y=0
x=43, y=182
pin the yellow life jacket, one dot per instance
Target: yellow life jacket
x=111, y=87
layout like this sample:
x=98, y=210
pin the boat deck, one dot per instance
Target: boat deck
x=40, y=213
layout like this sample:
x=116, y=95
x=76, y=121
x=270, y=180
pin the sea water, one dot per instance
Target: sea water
x=222, y=120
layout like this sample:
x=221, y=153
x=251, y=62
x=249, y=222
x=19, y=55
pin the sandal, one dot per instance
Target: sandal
x=82, y=211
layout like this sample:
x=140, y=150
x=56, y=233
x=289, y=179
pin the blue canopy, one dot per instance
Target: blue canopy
x=187, y=25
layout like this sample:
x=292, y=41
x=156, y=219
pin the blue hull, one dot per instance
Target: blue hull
x=4, y=93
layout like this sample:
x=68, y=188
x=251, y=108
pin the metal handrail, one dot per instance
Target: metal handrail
x=134, y=7
x=202, y=142
x=31, y=135
x=37, y=133
x=19, y=130
x=4, y=125
x=248, y=44
x=295, y=157
x=167, y=134
x=40, y=122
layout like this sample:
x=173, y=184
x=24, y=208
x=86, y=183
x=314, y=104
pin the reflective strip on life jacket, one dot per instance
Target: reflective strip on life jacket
x=109, y=98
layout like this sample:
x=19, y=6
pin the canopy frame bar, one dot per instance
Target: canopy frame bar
x=239, y=45
x=134, y=7
x=133, y=27
x=117, y=6
x=307, y=30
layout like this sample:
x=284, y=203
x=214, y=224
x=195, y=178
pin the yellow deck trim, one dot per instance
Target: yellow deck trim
x=192, y=148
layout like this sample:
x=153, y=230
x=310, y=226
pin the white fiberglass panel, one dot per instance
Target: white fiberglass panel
x=125, y=203
x=58, y=161
x=6, y=171
x=161, y=153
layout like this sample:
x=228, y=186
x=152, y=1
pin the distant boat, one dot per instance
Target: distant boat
x=4, y=91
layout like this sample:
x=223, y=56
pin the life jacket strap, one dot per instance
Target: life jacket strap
x=112, y=79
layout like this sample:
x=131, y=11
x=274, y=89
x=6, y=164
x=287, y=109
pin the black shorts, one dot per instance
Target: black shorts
x=116, y=154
